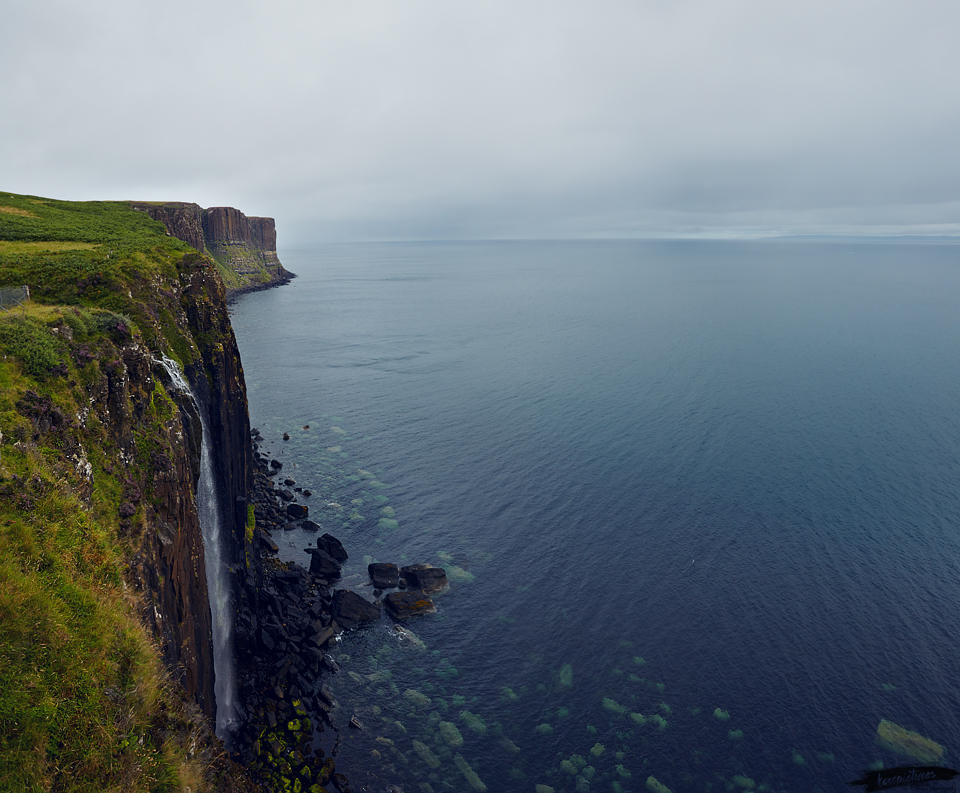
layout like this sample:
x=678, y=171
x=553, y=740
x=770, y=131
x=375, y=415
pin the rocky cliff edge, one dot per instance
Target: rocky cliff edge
x=106, y=668
x=244, y=248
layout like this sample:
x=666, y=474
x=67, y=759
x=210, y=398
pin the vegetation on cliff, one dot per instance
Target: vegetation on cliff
x=94, y=452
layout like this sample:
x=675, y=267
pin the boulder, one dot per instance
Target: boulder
x=425, y=577
x=321, y=637
x=309, y=525
x=297, y=511
x=286, y=495
x=323, y=564
x=403, y=605
x=384, y=575
x=349, y=609
x=266, y=542
x=331, y=545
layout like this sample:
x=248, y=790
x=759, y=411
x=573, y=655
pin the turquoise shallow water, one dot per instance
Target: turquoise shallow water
x=699, y=501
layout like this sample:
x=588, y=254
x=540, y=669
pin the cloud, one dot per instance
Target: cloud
x=430, y=119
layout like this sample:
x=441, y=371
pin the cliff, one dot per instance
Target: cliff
x=244, y=248
x=106, y=660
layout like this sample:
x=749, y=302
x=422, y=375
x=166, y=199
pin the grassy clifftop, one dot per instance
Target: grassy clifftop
x=91, y=452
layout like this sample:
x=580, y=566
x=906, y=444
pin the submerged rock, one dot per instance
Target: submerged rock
x=426, y=755
x=417, y=698
x=408, y=638
x=656, y=787
x=613, y=706
x=469, y=774
x=450, y=734
x=910, y=744
x=474, y=722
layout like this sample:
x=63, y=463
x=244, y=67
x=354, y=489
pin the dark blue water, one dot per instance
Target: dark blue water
x=715, y=483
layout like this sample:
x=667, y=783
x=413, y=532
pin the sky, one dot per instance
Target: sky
x=491, y=119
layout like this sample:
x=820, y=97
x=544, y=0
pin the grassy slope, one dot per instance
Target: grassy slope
x=85, y=703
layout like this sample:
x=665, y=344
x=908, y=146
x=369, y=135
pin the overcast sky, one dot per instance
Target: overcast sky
x=421, y=119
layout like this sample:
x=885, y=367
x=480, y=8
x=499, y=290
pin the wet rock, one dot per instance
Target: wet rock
x=349, y=609
x=276, y=465
x=332, y=546
x=286, y=436
x=298, y=511
x=425, y=577
x=412, y=603
x=323, y=564
x=330, y=664
x=309, y=525
x=384, y=575
x=264, y=539
x=286, y=495
x=321, y=637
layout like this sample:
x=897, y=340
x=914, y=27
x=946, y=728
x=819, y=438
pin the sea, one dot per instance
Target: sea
x=697, y=502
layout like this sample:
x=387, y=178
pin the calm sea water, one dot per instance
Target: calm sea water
x=698, y=502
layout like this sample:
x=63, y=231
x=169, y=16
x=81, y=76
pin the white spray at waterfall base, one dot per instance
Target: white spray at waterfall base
x=218, y=588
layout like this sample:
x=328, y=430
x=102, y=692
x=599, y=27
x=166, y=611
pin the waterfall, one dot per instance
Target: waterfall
x=218, y=576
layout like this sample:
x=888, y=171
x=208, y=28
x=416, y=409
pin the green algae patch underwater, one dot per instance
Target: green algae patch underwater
x=907, y=743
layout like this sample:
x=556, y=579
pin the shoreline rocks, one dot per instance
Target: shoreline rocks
x=289, y=617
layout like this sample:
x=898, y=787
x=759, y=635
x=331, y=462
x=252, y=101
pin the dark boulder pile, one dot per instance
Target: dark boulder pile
x=416, y=582
x=290, y=618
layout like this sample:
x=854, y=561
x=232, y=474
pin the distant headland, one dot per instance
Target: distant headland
x=244, y=248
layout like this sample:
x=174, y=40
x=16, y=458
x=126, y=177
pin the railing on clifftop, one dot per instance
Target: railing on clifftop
x=11, y=297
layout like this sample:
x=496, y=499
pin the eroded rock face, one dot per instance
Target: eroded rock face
x=168, y=564
x=183, y=220
x=244, y=247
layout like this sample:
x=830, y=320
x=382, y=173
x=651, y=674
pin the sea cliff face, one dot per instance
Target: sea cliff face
x=244, y=248
x=105, y=617
x=169, y=566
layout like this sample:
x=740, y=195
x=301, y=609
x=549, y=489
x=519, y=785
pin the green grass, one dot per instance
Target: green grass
x=11, y=248
x=34, y=219
x=85, y=701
